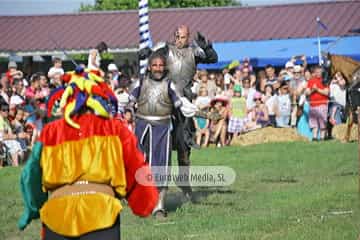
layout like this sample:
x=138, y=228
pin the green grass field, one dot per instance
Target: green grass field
x=282, y=191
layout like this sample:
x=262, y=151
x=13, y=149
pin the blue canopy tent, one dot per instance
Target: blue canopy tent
x=278, y=52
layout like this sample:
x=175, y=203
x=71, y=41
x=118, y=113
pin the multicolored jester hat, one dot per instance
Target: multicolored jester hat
x=83, y=88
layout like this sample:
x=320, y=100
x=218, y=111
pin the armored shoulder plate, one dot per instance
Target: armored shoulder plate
x=181, y=66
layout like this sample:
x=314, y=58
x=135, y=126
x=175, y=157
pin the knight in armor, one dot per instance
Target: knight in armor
x=156, y=98
x=181, y=60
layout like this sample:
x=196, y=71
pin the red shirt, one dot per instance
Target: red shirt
x=316, y=98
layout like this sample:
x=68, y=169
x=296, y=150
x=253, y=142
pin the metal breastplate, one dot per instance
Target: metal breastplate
x=154, y=101
x=181, y=66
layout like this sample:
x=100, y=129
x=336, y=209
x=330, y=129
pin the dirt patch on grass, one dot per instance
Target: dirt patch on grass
x=268, y=135
x=339, y=132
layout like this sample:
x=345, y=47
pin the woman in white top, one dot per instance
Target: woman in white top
x=94, y=59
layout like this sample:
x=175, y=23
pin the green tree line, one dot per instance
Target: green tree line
x=101, y=5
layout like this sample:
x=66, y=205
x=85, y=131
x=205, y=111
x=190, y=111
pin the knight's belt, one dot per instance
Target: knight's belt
x=82, y=187
x=153, y=118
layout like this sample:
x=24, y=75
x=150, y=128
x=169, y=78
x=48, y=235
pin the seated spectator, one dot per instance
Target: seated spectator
x=218, y=127
x=202, y=131
x=270, y=101
x=8, y=137
x=283, y=106
x=19, y=129
x=338, y=99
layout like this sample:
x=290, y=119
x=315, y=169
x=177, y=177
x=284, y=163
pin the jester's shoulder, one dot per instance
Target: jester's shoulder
x=59, y=131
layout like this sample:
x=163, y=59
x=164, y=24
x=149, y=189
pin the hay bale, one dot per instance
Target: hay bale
x=339, y=132
x=268, y=135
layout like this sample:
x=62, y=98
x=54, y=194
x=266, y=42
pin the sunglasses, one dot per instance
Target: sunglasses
x=255, y=99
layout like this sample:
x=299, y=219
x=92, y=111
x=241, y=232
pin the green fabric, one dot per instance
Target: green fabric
x=237, y=88
x=30, y=185
x=238, y=107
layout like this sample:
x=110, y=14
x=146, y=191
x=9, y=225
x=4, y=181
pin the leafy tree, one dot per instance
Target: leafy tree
x=101, y=5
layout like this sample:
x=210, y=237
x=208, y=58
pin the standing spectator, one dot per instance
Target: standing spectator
x=205, y=83
x=289, y=66
x=237, y=117
x=13, y=72
x=17, y=97
x=115, y=79
x=283, y=106
x=248, y=93
x=227, y=78
x=318, y=95
x=270, y=76
x=246, y=64
x=270, y=101
x=44, y=89
x=260, y=113
x=94, y=59
x=55, y=72
x=129, y=120
x=219, y=82
x=261, y=81
x=338, y=99
x=33, y=92
x=296, y=82
x=4, y=93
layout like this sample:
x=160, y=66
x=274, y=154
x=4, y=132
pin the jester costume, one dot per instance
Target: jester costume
x=86, y=161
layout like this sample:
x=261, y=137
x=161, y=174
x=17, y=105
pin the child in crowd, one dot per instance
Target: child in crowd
x=260, y=114
x=237, y=117
x=218, y=127
x=55, y=72
x=129, y=120
x=202, y=131
x=202, y=124
x=283, y=106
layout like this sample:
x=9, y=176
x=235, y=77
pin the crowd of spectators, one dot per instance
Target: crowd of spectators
x=294, y=97
x=240, y=98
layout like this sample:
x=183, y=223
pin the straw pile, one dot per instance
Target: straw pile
x=339, y=132
x=268, y=135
